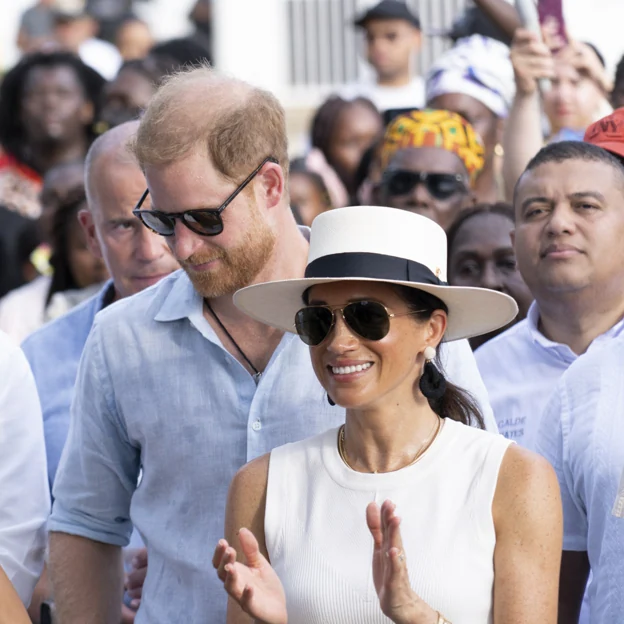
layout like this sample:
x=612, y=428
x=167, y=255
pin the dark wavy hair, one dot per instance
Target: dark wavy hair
x=12, y=132
x=456, y=403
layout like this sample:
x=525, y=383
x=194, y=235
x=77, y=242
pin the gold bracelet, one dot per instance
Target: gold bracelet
x=442, y=619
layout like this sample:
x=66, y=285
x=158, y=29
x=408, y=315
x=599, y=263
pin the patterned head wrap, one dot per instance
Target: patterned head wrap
x=476, y=66
x=435, y=128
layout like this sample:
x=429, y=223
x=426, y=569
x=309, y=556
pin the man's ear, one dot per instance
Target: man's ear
x=274, y=184
x=85, y=218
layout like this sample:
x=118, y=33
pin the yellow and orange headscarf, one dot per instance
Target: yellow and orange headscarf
x=435, y=128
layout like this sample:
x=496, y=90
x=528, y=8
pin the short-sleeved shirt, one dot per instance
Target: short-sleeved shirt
x=582, y=435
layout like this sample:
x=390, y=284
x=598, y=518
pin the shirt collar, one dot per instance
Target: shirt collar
x=562, y=350
x=183, y=301
x=106, y=296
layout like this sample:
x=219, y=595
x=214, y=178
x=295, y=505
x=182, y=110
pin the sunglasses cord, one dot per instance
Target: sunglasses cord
x=257, y=374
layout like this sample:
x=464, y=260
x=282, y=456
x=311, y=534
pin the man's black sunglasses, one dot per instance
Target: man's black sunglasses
x=397, y=182
x=204, y=221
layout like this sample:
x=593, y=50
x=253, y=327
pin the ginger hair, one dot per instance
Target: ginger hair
x=235, y=124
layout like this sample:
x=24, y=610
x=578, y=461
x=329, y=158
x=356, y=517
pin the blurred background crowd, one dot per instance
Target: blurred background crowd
x=431, y=106
x=349, y=74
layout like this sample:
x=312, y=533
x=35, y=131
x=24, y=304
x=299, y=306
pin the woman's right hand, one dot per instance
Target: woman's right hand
x=253, y=584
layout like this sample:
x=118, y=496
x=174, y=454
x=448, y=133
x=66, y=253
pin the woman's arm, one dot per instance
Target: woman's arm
x=528, y=520
x=245, y=508
x=11, y=608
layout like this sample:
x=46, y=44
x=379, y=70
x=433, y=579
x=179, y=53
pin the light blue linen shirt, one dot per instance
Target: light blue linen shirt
x=53, y=352
x=156, y=389
x=582, y=436
x=521, y=368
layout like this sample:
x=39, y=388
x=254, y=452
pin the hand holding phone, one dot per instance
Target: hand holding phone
x=550, y=15
x=532, y=59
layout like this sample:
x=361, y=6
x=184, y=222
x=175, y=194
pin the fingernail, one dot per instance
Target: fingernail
x=135, y=604
x=135, y=562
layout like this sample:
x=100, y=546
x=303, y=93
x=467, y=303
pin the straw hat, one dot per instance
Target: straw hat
x=376, y=244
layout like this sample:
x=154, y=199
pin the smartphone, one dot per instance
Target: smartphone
x=552, y=9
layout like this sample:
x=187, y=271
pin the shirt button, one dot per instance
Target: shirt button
x=257, y=425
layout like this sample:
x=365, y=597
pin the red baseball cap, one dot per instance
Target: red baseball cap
x=608, y=133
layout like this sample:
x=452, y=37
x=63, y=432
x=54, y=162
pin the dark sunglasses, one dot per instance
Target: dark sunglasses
x=439, y=185
x=204, y=221
x=370, y=320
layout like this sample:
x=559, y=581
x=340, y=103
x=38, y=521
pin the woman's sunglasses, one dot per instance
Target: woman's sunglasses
x=370, y=320
x=204, y=221
x=398, y=182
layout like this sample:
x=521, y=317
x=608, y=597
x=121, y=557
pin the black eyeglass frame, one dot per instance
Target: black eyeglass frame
x=138, y=212
x=422, y=177
x=341, y=309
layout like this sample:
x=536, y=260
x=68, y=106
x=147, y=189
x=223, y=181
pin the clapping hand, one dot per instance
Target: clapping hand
x=253, y=584
x=396, y=598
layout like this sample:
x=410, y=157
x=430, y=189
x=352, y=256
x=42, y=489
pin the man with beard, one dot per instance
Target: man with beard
x=175, y=380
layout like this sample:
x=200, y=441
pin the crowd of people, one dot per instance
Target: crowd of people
x=376, y=381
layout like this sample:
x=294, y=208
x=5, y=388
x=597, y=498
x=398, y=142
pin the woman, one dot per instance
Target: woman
x=309, y=196
x=480, y=254
x=342, y=130
x=77, y=275
x=430, y=161
x=479, y=536
x=48, y=102
x=475, y=80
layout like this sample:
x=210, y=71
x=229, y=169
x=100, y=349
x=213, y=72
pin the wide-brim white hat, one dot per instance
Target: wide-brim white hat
x=377, y=244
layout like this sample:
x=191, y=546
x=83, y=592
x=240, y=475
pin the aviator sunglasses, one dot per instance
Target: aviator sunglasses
x=370, y=320
x=398, y=182
x=203, y=221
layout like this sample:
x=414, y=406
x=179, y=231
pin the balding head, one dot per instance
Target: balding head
x=232, y=123
x=135, y=257
x=111, y=147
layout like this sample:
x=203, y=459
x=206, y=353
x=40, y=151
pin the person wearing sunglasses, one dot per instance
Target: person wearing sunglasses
x=430, y=160
x=178, y=381
x=403, y=511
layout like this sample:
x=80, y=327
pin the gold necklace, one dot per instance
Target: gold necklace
x=427, y=442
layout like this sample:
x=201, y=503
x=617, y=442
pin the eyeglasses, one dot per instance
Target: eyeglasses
x=203, y=221
x=439, y=185
x=370, y=320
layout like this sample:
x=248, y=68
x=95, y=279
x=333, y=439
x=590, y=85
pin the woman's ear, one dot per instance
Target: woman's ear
x=437, y=328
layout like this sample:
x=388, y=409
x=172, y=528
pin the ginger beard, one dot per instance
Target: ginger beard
x=238, y=266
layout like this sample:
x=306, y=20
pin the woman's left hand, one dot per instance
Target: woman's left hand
x=396, y=598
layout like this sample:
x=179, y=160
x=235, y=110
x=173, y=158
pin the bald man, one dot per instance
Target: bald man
x=135, y=257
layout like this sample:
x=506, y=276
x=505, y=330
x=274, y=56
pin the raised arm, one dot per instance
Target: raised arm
x=522, y=138
x=94, y=484
x=502, y=13
x=529, y=527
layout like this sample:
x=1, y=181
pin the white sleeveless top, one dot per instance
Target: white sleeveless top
x=320, y=546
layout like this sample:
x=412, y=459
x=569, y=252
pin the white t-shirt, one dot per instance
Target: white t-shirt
x=582, y=436
x=411, y=95
x=24, y=494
